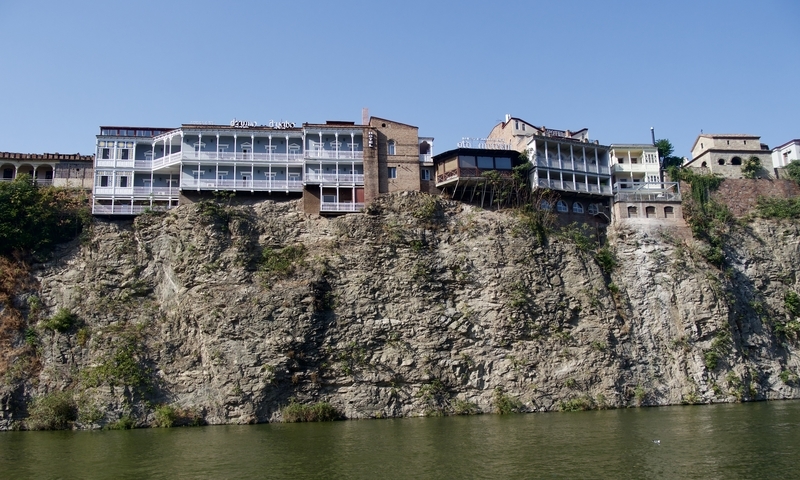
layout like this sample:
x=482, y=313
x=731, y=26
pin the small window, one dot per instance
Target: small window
x=634, y=160
x=390, y=147
x=105, y=154
x=392, y=172
x=545, y=205
x=466, y=161
x=561, y=206
x=632, y=212
x=104, y=181
x=669, y=212
x=123, y=182
x=736, y=161
x=124, y=154
x=486, y=163
x=704, y=165
x=593, y=209
x=577, y=207
x=426, y=174
x=502, y=163
x=721, y=161
x=650, y=212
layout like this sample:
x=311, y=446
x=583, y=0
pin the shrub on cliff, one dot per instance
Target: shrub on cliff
x=54, y=411
x=317, y=412
x=34, y=219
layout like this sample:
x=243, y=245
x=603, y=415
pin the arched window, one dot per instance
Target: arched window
x=561, y=206
x=632, y=212
x=593, y=210
x=424, y=148
x=545, y=205
x=650, y=212
x=390, y=147
x=721, y=161
x=669, y=212
x=736, y=161
x=704, y=165
x=577, y=207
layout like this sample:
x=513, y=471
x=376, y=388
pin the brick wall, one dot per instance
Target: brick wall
x=405, y=158
x=740, y=195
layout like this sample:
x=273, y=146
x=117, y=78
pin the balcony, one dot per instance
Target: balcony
x=126, y=209
x=110, y=162
x=290, y=157
x=470, y=174
x=636, y=167
x=570, y=165
x=168, y=161
x=578, y=187
x=335, y=178
x=426, y=158
x=340, y=207
x=293, y=185
x=647, y=192
x=335, y=154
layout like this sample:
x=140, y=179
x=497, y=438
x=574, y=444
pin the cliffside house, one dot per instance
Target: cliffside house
x=61, y=170
x=461, y=171
x=785, y=154
x=724, y=154
x=336, y=167
x=640, y=194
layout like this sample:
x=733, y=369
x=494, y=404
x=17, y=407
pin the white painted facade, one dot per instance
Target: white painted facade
x=786, y=153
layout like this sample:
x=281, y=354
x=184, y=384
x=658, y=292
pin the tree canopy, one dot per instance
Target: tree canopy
x=33, y=219
x=665, y=150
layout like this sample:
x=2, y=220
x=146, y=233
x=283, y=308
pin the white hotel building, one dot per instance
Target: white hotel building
x=137, y=168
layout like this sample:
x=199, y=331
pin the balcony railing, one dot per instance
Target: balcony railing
x=567, y=164
x=340, y=207
x=357, y=178
x=169, y=160
x=459, y=173
x=636, y=167
x=126, y=209
x=290, y=157
x=118, y=163
x=647, y=192
x=579, y=187
x=337, y=154
x=294, y=185
x=426, y=158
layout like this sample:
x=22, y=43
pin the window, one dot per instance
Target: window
x=104, y=181
x=545, y=205
x=486, y=163
x=634, y=160
x=466, y=161
x=593, y=210
x=392, y=172
x=123, y=182
x=426, y=174
x=652, y=178
x=502, y=163
x=561, y=206
x=650, y=212
x=105, y=154
x=721, y=161
x=632, y=212
x=391, y=147
x=736, y=161
x=124, y=154
x=577, y=207
x=669, y=212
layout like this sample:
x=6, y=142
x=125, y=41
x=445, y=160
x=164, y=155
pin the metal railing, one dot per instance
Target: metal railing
x=260, y=185
x=126, y=209
x=340, y=207
x=579, y=187
x=567, y=164
x=335, y=178
x=337, y=154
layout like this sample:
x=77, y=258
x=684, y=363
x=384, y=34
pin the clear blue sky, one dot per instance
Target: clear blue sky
x=451, y=68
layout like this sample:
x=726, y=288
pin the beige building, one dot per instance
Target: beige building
x=60, y=170
x=724, y=154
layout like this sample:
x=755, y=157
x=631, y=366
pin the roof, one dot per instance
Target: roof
x=796, y=140
x=46, y=156
x=723, y=135
x=493, y=152
x=393, y=121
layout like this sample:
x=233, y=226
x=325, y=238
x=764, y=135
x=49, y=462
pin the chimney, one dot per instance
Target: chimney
x=364, y=116
x=508, y=117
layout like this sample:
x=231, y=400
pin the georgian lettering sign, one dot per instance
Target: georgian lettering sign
x=487, y=143
x=280, y=125
x=243, y=124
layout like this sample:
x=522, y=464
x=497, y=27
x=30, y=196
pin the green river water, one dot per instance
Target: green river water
x=757, y=440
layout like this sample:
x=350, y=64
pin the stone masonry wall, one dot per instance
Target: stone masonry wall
x=740, y=195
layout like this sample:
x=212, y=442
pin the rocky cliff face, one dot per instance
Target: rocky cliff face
x=418, y=306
